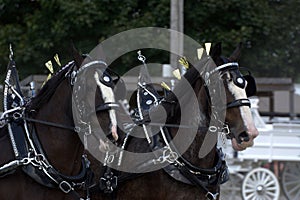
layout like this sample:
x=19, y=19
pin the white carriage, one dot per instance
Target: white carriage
x=277, y=142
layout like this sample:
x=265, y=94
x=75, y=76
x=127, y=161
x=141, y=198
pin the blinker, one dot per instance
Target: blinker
x=106, y=80
x=240, y=81
x=113, y=80
x=251, y=86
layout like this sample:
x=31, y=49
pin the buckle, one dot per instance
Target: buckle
x=65, y=187
x=108, y=183
x=211, y=196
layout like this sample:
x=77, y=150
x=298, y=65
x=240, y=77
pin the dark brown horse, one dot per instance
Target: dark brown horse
x=176, y=177
x=198, y=173
x=49, y=148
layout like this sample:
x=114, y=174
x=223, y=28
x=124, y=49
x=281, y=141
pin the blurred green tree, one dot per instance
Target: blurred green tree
x=38, y=29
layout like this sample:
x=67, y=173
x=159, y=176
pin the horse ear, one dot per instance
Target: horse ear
x=235, y=56
x=76, y=55
x=216, y=51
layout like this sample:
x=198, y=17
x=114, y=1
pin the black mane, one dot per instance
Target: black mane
x=49, y=88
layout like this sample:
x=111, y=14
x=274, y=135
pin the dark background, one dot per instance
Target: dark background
x=38, y=29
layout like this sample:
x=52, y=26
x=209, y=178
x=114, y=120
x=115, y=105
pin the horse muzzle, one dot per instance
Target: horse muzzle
x=245, y=139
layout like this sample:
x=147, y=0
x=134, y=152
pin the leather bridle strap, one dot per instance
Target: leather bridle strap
x=238, y=103
x=72, y=128
x=102, y=107
x=107, y=106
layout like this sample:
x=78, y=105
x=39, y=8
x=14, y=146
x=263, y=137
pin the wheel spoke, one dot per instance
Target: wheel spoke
x=294, y=189
x=272, y=194
x=250, y=196
x=264, y=176
x=290, y=175
x=252, y=190
x=297, y=196
x=293, y=182
x=253, y=178
x=251, y=182
x=271, y=188
x=268, y=198
x=267, y=180
x=270, y=183
x=260, y=177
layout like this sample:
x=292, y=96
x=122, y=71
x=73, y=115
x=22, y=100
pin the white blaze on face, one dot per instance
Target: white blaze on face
x=240, y=93
x=108, y=97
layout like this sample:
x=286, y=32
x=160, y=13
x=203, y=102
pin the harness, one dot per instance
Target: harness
x=28, y=151
x=179, y=168
x=29, y=154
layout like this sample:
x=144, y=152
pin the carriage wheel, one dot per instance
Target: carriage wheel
x=291, y=180
x=259, y=184
x=232, y=189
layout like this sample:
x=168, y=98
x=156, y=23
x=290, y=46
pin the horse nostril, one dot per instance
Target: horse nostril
x=244, y=137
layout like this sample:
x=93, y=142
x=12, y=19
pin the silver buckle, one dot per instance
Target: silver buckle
x=65, y=187
x=211, y=196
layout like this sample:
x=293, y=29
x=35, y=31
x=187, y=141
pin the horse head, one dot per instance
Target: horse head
x=94, y=97
x=77, y=101
x=238, y=88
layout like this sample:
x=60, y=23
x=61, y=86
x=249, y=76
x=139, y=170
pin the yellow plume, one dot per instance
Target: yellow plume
x=164, y=85
x=200, y=53
x=176, y=73
x=207, y=47
x=56, y=58
x=184, y=62
x=50, y=68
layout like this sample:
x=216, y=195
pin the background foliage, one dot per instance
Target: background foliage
x=38, y=29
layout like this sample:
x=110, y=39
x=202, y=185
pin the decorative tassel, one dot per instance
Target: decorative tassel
x=207, y=47
x=50, y=68
x=56, y=58
x=200, y=53
x=184, y=62
x=164, y=85
x=176, y=73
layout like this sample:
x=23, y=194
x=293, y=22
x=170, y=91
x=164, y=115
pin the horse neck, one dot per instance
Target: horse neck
x=62, y=147
x=200, y=119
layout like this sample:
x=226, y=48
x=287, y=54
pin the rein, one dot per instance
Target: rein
x=100, y=108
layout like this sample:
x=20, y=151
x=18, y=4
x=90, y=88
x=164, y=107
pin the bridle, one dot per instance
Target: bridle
x=240, y=82
x=28, y=151
x=72, y=75
x=246, y=82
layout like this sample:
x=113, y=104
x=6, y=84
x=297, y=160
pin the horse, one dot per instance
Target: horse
x=187, y=176
x=46, y=158
x=181, y=176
